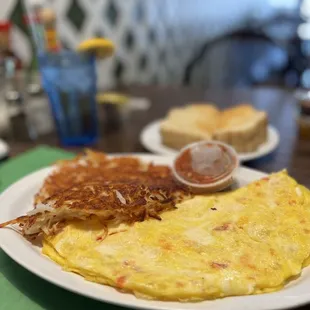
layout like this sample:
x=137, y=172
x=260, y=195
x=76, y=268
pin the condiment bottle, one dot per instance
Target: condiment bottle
x=48, y=19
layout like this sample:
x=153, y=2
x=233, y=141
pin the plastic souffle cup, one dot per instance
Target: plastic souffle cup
x=206, y=166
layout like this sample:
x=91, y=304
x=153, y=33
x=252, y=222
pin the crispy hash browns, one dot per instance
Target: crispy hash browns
x=116, y=190
x=94, y=165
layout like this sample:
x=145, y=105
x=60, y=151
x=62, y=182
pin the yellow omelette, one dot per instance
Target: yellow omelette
x=250, y=241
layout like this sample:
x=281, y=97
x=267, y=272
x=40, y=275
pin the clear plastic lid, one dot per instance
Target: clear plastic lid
x=210, y=160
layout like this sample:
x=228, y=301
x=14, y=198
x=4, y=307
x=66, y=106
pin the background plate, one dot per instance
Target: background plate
x=18, y=199
x=4, y=149
x=151, y=140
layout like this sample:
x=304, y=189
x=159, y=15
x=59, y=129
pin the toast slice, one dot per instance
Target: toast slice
x=243, y=127
x=182, y=126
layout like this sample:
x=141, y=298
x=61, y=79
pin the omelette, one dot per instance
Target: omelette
x=249, y=241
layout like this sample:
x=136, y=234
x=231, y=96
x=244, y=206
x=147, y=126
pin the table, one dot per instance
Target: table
x=293, y=153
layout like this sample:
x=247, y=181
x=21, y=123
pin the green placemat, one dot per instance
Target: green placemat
x=20, y=289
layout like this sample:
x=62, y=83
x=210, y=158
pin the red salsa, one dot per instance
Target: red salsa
x=205, y=164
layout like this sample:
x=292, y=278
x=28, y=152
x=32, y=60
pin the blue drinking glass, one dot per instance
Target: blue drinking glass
x=69, y=79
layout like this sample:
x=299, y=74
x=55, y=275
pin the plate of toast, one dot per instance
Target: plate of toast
x=242, y=126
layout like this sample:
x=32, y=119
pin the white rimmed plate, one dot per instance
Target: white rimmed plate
x=4, y=149
x=151, y=140
x=17, y=200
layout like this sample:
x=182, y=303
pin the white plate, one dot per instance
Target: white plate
x=4, y=149
x=17, y=200
x=151, y=140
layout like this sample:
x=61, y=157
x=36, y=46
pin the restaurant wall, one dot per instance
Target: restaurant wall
x=155, y=39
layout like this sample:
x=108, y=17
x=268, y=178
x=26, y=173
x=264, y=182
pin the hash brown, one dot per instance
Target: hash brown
x=116, y=190
x=96, y=165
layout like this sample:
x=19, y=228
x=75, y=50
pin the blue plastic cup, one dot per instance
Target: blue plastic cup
x=70, y=81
